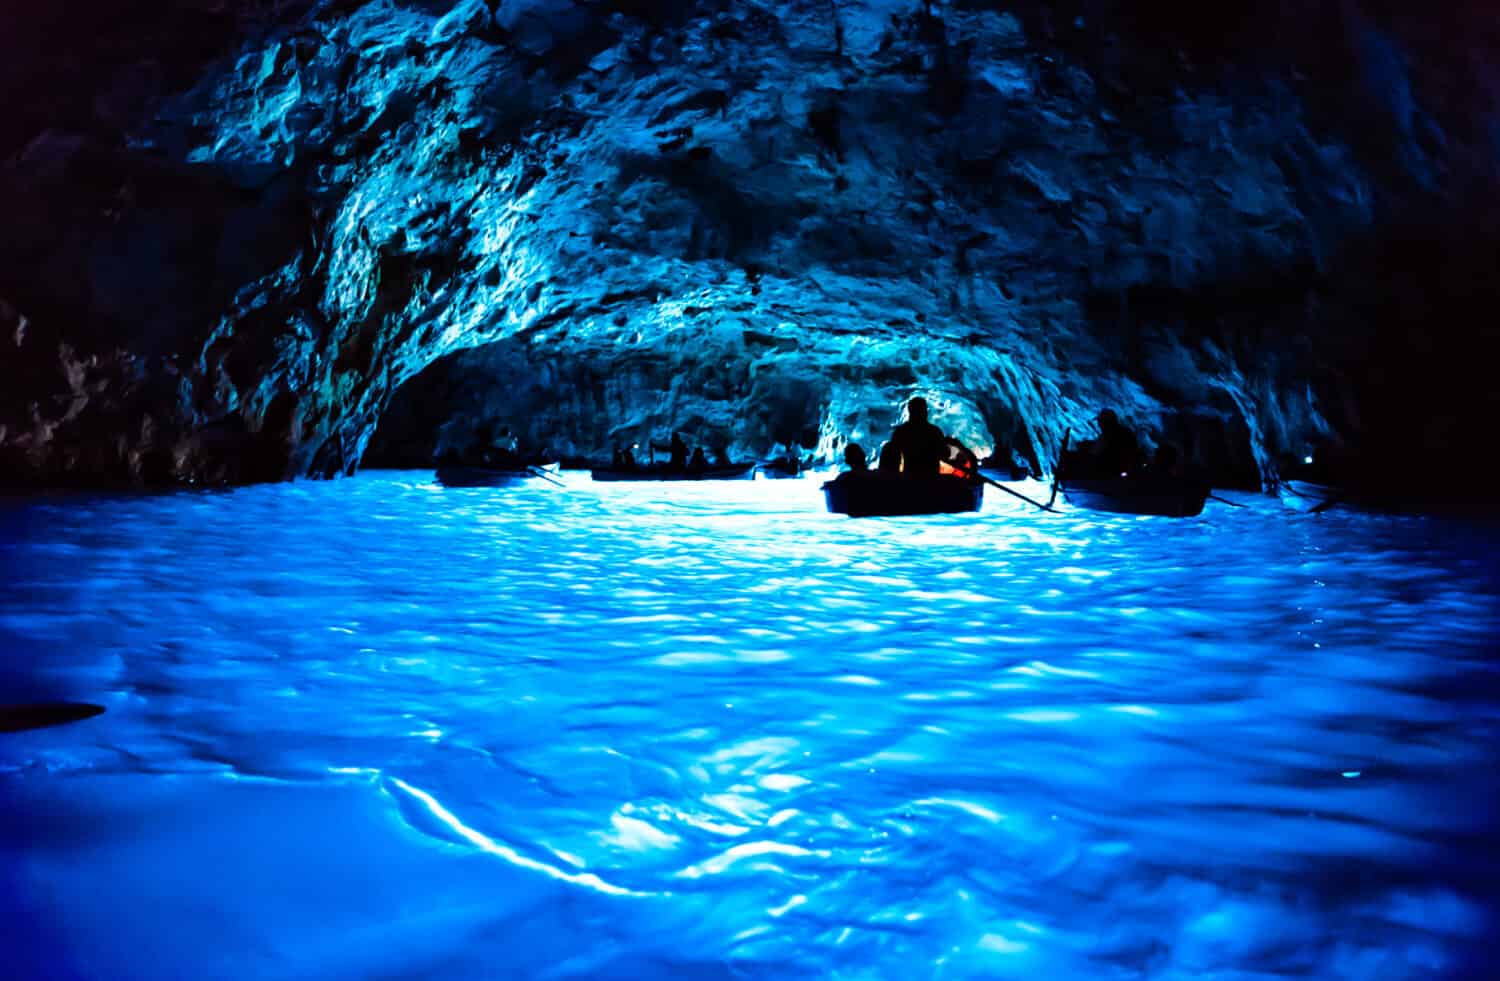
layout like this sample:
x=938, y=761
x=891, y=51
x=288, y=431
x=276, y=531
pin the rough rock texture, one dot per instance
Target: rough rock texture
x=1251, y=230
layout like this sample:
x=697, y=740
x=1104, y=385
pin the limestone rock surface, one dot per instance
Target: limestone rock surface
x=1252, y=231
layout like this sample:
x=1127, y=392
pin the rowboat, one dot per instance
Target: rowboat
x=1166, y=496
x=466, y=475
x=734, y=471
x=782, y=470
x=1458, y=500
x=872, y=493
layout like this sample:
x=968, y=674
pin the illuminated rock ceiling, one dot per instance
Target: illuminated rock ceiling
x=760, y=222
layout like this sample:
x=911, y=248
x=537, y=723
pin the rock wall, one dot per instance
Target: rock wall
x=1253, y=229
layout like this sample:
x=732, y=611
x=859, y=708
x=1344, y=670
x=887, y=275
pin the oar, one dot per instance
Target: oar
x=1225, y=500
x=539, y=472
x=1057, y=470
x=19, y=718
x=1334, y=501
x=1331, y=501
x=996, y=483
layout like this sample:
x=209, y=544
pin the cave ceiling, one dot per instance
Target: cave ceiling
x=236, y=233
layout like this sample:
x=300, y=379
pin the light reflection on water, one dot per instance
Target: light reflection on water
x=380, y=728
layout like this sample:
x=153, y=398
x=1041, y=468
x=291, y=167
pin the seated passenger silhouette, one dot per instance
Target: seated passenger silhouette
x=679, y=452
x=699, y=462
x=1117, y=451
x=505, y=449
x=855, y=459
x=961, y=461
x=1167, y=462
x=1114, y=453
x=919, y=442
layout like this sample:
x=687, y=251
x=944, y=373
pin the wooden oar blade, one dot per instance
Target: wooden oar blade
x=995, y=483
x=538, y=472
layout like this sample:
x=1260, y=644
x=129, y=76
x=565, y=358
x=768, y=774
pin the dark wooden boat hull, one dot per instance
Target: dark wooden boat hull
x=1167, y=498
x=885, y=495
x=458, y=475
x=738, y=471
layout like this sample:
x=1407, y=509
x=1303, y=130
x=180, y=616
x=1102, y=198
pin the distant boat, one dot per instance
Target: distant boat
x=1003, y=471
x=782, y=469
x=733, y=471
x=1164, y=496
x=1458, y=499
x=492, y=475
x=874, y=494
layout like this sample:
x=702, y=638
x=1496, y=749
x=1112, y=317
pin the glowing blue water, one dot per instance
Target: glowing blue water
x=374, y=728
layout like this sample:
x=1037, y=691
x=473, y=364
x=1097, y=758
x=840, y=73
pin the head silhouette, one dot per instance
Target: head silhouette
x=854, y=457
x=916, y=409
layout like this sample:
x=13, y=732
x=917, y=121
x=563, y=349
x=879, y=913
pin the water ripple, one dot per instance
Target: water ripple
x=712, y=730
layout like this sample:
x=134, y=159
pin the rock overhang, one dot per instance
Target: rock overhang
x=946, y=191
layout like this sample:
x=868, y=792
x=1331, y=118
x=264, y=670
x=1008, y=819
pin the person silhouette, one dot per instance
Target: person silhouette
x=919, y=442
x=678, y=450
x=1167, y=462
x=1117, y=453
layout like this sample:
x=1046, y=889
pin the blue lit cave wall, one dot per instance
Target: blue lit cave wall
x=235, y=231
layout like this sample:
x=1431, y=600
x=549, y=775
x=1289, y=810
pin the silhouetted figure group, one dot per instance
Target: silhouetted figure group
x=917, y=448
x=679, y=459
x=1116, y=454
x=499, y=450
x=788, y=464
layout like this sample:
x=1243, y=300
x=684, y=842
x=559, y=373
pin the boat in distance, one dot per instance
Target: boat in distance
x=733, y=471
x=478, y=475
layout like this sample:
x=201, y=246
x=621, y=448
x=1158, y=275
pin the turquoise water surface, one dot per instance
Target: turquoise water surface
x=375, y=728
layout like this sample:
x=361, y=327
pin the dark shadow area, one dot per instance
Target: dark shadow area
x=41, y=715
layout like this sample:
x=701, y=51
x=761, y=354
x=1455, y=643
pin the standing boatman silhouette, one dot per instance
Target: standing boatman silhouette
x=919, y=443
